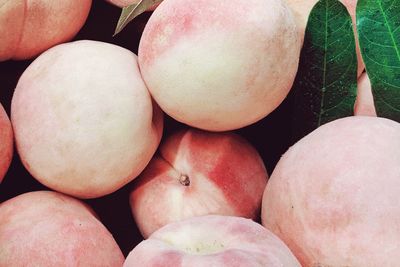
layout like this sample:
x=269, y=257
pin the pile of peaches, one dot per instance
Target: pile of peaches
x=87, y=118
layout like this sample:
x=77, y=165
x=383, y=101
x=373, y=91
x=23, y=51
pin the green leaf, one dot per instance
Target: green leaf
x=130, y=12
x=378, y=27
x=326, y=83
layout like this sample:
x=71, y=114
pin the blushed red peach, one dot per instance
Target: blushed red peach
x=84, y=120
x=213, y=240
x=364, y=105
x=199, y=173
x=29, y=27
x=219, y=65
x=49, y=229
x=333, y=198
x=6, y=143
x=301, y=10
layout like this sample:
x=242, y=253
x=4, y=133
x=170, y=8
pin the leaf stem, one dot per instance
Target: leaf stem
x=323, y=89
x=390, y=30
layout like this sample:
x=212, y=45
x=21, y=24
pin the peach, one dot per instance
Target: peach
x=212, y=241
x=46, y=228
x=198, y=173
x=364, y=105
x=84, y=120
x=29, y=27
x=301, y=10
x=333, y=197
x=6, y=143
x=219, y=65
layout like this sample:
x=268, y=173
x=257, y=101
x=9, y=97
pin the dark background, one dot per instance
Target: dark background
x=270, y=136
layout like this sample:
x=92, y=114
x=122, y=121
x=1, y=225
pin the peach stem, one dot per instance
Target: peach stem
x=184, y=180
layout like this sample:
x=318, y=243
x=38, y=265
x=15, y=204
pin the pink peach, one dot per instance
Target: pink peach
x=364, y=105
x=45, y=228
x=212, y=241
x=219, y=65
x=6, y=143
x=29, y=27
x=84, y=121
x=199, y=173
x=333, y=198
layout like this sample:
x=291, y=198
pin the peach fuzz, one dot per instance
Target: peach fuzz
x=6, y=143
x=198, y=173
x=46, y=228
x=83, y=119
x=29, y=27
x=364, y=105
x=333, y=197
x=212, y=241
x=301, y=10
x=219, y=65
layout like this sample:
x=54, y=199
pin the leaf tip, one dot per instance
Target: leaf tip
x=117, y=30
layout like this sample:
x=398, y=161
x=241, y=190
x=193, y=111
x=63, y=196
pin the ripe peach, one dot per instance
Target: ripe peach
x=333, y=198
x=302, y=8
x=212, y=241
x=199, y=173
x=84, y=120
x=46, y=228
x=6, y=143
x=219, y=65
x=364, y=105
x=29, y=27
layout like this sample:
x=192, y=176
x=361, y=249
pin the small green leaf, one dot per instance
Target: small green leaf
x=130, y=12
x=378, y=26
x=326, y=83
